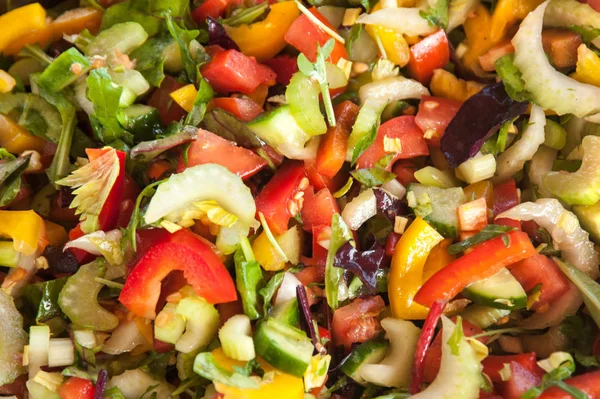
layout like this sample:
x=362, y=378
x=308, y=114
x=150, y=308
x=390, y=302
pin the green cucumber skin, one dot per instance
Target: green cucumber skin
x=493, y=290
x=362, y=354
x=518, y=303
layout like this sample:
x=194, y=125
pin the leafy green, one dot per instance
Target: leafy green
x=11, y=170
x=248, y=278
x=224, y=124
x=148, y=150
x=114, y=393
x=251, y=366
x=137, y=215
x=589, y=289
x=247, y=15
x=205, y=94
x=587, y=33
x=456, y=337
x=183, y=38
x=44, y=296
x=34, y=51
x=318, y=72
x=355, y=33
x=206, y=366
x=437, y=14
x=487, y=233
x=503, y=136
x=340, y=234
x=511, y=78
x=269, y=290
x=150, y=58
x=581, y=330
x=371, y=177
x=105, y=96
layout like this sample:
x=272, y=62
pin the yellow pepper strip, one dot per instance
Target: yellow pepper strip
x=438, y=259
x=266, y=254
x=507, y=13
x=264, y=39
x=280, y=386
x=7, y=82
x=21, y=21
x=406, y=274
x=445, y=84
x=588, y=66
x=25, y=228
x=54, y=234
x=394, y=43
x=185, y=96
x=16, y=139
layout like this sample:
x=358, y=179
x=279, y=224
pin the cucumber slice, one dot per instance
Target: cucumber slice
x=132, y=80
x=141, y=120
x=483, y=316
x=124, y=37
x=444, y=203
x=283, y=346
x=33, y=113
x=370, y=352
x=287, y=312
x=502, y=291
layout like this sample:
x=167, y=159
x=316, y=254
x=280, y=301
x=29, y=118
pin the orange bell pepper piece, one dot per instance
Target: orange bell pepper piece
x=21, y=21
x=26, y=228
x=16, y=139
x=54, y=234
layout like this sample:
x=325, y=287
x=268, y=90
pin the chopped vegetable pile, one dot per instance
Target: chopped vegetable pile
x=300, y=199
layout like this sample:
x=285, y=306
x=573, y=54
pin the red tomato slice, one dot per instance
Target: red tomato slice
x=232, y=71
x=318, y=209
x=305, y=36
x=210, y=8
x=595, y=4
x=506, y=196
x=357, y=322
x=413, y=143
x=332, y=149
x=77, y=388
x=274, y=199
x=284, y=66
x=210, y=148
x=521, y=380
x=492, y=365
x=431, y=53
x=435, y=113
x=242, y=108
x=184, y=251
x=540, y=269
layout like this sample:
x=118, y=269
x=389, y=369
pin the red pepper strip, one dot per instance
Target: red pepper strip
x=483, y=261
x=274, y=200
x=588, y=383
x=184, y=251
x=435, y=312
x=492, y=365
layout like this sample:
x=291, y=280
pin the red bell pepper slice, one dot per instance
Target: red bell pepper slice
x=232, y=71
x=184, y=251
x=431, y=53
x=506, y=196
x=210, y=8
x=242, y=108
x=77, y=388
x=284, y=66
x=521, y=380
x=435, y=113
x=161, y=99
x=318, y=208
x=423, y=344
x=210, y=148
x=405, y=172
x=275, y=198
x=411, y=137
x=305, y=36
x=589, y=383
x=492, y=365
x=483, y=261
x=540, y=269
x=332, y=149
x=319, y=181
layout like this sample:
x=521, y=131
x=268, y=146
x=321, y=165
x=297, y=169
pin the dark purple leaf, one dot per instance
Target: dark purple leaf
x=306, y=322
x=477, y=119
x=363, y=264
x=226, y=125
x=59, y=261
x=217, y=35
x=389, y=205
x=101, y=384
x=148, y=150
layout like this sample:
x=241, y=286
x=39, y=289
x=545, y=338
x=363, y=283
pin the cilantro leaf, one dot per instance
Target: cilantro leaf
x=511, y=77
x=437, y=14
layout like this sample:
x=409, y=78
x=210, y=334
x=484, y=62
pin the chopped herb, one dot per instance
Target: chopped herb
x=487, y=233
x=372, y=177
x=456, y=337
x=437, y=14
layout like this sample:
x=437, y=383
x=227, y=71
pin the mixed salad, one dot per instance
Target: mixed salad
x=300, y=199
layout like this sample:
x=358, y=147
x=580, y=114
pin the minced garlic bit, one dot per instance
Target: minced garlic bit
x=392, y=144
x=76, y=68
x=400, y=224
x=345, y=66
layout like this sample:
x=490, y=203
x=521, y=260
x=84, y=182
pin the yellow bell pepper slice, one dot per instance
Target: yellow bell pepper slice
x=264, y=39
x=394, y=43
x=588, y=66
x=26, y=228
x=507, y=13
x=7, y=82
x=406, y=273
x=438, y=259
x=16, y=139
x=281, y=386
x=445, y=84
x=54, y=234
x=185, y=96
x=21, y=21
x=266, y=254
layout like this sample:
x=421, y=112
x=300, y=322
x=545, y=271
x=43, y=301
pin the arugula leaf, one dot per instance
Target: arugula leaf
x=437, y=14
x=105, y=96
x=487, y=233
x=581, y=330
x=136, y=216
x=456, y=337
x=11, y=169
x=587, y=33
x=340, y=234
x=269, y=290
x=205, y=94
x=44, y=297
x=206, y=366
x=150, y=58
x=247, y=15
x=371, y=177
x=183, y=38
x=511, y=78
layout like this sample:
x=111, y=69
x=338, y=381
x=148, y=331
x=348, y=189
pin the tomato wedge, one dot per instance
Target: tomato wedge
x=77, y=388
x=492, y=365
x=431, y=53
x=357, y=322
x=318, y=208
x=435, y=113
x=210, y=148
